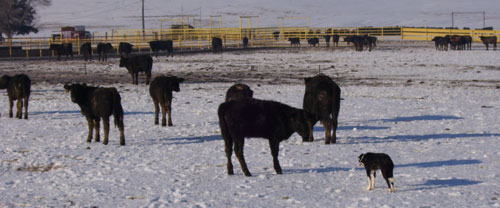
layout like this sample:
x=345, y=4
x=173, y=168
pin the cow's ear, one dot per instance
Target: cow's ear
x=180, y=79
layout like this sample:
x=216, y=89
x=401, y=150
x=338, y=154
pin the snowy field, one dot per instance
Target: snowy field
x=435, y=113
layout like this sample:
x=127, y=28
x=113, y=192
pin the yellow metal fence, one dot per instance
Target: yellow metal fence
x=428, y=33
x=200, y=38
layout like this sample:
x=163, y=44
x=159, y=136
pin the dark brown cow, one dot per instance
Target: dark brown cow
x=487, y=40
x=18, y=88
x=86, y=51
x=161, y=91
x=136, y=64
x=258, y=118
x=96, y=103
x=124, y=49
x=162, y=45
x=62, y=49
x=245, y=42
x=103, y=50
x=239, y=92
x=322, y=100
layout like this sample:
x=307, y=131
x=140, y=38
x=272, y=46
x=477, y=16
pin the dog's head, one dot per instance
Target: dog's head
x=361, y=159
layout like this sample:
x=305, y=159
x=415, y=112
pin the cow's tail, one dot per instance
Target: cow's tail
x=117, y=110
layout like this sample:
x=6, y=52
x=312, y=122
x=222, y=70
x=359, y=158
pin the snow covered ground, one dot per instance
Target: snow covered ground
x=435, y=113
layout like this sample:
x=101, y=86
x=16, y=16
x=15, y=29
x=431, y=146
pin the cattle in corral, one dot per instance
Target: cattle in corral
x=62, y=49
x=322, y=101
x=335, y=40
x=18, y=88
x=258, y=118
x=216, y=45
x=125, y=49
x=455, y=42
x=103, y=49
x=466, y=41
x=162, y=45
x=349, y=39
x=313, y=42
x=245, y=42
x=86, y=51
x=239, y=92
x=436, y=41
x=276, y=35
x=294, y=42
x=136, y=64
x=327, y=40
x=487, y=40
x=98, y=103
x=161, y=89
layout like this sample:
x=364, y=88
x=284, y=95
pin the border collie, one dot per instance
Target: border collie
x=374, y=161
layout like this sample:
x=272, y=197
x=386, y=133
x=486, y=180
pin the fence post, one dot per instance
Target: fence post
x=26, y=47
x=10, y=47
x=40, y=46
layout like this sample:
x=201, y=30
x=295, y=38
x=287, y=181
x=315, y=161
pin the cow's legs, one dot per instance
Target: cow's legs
x=163, y=114
x=26, y=107
x=148, y=77
x=11, y=104
x=97, y=126
x=169, y=111
x=228, y=144
x=121, y=128
x=275, y=148
x=327, y=124
x=105, y=123
x=157, y=111
x=238, y=151
x=19, y=108
x=91, y=129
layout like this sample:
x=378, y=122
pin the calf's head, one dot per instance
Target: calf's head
x=77, y=91
x=300, y=122
x=174, y=82
x=4, y=81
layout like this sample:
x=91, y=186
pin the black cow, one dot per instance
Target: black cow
x=258, y=118
x=161, y=91
x=62, y=49
x=294, y=42
x=124, y=49
x=466, y=40
x=103, y=50
x=313, y=41
x=18, y=88
x=327, y=40
x=336, y=40
x=322, y=101
x=239, y=92
x=86, y=51
x=245, y=42
x=96, y=103
x=489, y=40
x=162, y=45
x=217, y=45
x=136, y=64
x=276, y=35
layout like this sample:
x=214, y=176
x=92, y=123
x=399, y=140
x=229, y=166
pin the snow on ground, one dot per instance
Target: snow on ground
x=435, y=113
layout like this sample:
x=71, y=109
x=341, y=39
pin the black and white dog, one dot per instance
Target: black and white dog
x=372, y=162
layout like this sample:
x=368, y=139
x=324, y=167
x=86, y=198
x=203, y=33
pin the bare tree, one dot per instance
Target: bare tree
x=17, y=17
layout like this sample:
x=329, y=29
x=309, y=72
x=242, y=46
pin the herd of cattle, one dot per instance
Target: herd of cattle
x=461, y=42
x=240, y=116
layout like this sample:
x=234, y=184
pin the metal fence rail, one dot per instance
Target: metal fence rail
x=200, y=38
